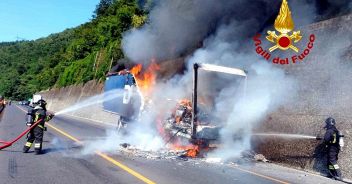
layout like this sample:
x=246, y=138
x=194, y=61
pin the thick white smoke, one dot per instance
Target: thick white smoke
x=141, y=136
x=266, y=89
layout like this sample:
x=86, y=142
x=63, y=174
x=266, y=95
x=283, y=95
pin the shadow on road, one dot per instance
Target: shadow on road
x=320, y=160
x=59, y=149
x=12, y=151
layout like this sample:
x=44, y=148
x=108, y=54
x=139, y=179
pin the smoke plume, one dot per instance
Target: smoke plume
x=176, y=27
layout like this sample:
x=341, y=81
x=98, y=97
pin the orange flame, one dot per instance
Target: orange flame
x=185, y=102
x=136, y=69
x=191, y=150
x=147, y=79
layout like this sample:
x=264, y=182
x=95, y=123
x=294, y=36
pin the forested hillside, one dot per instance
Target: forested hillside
x=73, y=56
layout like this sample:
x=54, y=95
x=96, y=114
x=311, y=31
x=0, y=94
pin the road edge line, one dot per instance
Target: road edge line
x=260, y=175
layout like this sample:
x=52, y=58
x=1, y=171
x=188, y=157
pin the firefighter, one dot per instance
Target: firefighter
x=2, y=103
x=34, y=114
x=331, y=140
x=2, y=106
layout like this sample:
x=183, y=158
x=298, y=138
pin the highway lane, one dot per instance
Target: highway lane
x=63, y=163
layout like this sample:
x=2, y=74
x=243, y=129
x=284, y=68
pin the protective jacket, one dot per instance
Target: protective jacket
x=331, y=137
x=2, y=105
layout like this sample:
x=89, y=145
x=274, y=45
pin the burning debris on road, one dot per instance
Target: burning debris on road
x=189, y=154
x=181, y=152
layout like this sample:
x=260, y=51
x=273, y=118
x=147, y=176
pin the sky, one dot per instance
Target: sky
x=33, y=19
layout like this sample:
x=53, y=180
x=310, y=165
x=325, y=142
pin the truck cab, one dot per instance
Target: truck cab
x=122, y=96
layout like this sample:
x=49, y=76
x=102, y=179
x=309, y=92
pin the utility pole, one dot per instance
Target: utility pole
x=96, y=64
x=112, y=59
x=95, y=61
x=194, y=101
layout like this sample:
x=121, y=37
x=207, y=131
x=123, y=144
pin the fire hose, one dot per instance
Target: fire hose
x=5, y=144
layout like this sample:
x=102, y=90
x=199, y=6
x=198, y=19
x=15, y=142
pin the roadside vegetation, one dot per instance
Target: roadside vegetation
x=73, y=56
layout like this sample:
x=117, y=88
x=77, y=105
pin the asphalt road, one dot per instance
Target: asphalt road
x=61, y=162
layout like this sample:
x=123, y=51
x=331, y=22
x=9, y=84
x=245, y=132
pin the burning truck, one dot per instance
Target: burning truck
x=189, y=120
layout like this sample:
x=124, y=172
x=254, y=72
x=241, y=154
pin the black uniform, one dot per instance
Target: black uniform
x=2, y=104
x=37, y=133
x=331, y=139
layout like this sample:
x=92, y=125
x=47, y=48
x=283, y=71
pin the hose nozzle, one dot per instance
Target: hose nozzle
x=51, y=116
x=319, y=138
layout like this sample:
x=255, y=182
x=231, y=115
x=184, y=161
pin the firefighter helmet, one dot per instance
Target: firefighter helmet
x=330, y=122
x=42, y=103
x=36, y=99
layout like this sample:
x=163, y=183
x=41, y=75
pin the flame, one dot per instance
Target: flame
x=147, y=79
x=284, y=22
x=191, y=150
x=185, y=102
x=136, y=69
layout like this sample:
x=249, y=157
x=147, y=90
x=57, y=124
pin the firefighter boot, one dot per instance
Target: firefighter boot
x=26, y=147
x=338, y=175
x=38, y=148
x=335, y=173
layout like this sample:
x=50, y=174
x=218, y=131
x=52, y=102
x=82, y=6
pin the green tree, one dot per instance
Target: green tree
x=102, y=8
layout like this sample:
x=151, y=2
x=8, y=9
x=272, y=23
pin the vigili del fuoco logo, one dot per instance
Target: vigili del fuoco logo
x=285, y=40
